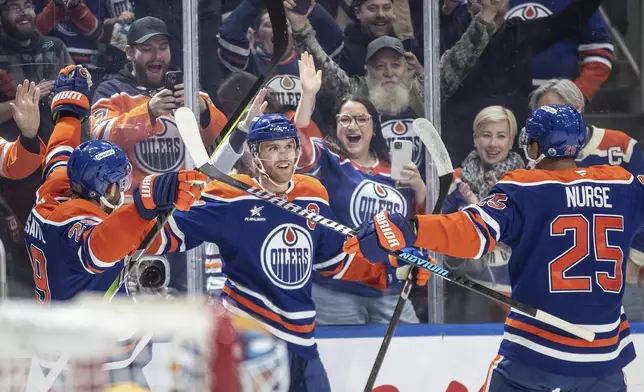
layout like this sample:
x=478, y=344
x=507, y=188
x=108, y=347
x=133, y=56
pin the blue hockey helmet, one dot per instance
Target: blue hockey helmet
x=95, y=165
x=270, y=127
x=559, y=130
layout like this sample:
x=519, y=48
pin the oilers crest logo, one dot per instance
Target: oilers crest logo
x=286, y=89
x=370, y=198
x=163, y=152
x=286, y=256
x=401, y=129
x=528, y=11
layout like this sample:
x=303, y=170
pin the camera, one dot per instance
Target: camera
x=397, y=145
x=153, y=272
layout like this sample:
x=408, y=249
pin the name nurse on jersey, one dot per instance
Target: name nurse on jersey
x=369, y=198
x=286, y=256
x=163, y=152
x=588, y=196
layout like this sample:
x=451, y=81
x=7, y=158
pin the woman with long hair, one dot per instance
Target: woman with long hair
x=353, y=163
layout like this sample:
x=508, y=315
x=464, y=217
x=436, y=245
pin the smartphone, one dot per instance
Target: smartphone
x=302, y=6
x=172, y=78
x=401, y=154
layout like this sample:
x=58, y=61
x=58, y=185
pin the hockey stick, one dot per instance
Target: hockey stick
x=189, y=131
x=277, y=16
x=433, y=143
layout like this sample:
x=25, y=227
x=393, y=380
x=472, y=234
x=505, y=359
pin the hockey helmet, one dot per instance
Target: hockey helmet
x=559, y=130
x=95, y=165
x=270, y=127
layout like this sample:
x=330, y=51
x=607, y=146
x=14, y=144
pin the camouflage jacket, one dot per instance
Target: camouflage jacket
x=454, y=66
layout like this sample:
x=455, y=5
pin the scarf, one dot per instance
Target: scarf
x=476, y=175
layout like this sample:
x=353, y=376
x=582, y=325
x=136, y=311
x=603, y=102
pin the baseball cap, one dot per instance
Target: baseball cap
x=384, y=42
x=145, y=28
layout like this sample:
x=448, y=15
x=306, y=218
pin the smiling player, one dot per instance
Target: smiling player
x=269, y=253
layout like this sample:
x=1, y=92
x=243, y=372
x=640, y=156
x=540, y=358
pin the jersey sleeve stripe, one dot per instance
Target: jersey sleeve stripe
x=595, y=46
x=480, y=228
x=333, y=261
x=489, y=221
x=598, y=59
x=85, y=266
x=64, y=151
x=177, y=234
x=94, y=261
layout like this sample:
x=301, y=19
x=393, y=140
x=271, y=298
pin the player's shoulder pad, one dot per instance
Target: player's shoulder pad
x=223, y=191
x=614, y=138
x=309, y=187
x=607, y=173
x=75, y=209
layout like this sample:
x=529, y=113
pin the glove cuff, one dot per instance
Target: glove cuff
x=69, y=97
x=140, y=207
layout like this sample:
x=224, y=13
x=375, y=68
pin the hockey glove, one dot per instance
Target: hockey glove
x=385, y=233
x=71, y=90
x=158, y=193
x=420, y=276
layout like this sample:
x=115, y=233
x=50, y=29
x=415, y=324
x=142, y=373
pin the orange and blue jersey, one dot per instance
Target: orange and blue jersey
x=358, y=194
x=17, y=161
x=570, y=232
x=269, y=254
x=609, y=147
x=120, y=115
x=73, y=244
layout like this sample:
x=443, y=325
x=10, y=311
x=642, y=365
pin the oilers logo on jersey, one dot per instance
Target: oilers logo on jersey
x=163, y=152
x=285, y=89
x=401, y=129
x=528, y=11
x=370, y=198
x=286, y=256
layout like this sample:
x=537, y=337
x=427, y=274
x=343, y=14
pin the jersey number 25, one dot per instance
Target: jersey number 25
x=560, y=280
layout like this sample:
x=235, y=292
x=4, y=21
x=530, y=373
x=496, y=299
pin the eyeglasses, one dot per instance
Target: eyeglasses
x=346, y=119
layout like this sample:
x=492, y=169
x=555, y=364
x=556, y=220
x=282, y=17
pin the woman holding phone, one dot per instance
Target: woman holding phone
x=353, y=163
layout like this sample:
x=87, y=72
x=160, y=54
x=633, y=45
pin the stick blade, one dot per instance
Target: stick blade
x=189, y=131
x=433, y=142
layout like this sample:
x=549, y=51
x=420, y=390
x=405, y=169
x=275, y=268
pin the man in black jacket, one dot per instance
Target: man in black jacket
x=503, y=74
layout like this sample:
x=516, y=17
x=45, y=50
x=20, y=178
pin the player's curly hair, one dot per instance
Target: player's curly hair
x=378, y=143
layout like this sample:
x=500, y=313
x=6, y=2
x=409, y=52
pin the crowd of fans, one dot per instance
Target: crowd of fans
x=351, y=81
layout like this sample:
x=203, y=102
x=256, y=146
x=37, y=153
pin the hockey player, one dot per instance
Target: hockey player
x=569, y=229
x=605, y=147
x=268, y=252
x=78, y=234
x=21, y=158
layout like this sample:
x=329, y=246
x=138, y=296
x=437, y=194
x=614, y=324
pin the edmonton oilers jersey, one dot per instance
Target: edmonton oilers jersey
x=615, y=148
x=73, y=244
x=357, y=195
x=269, y=254
x=569, y=231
